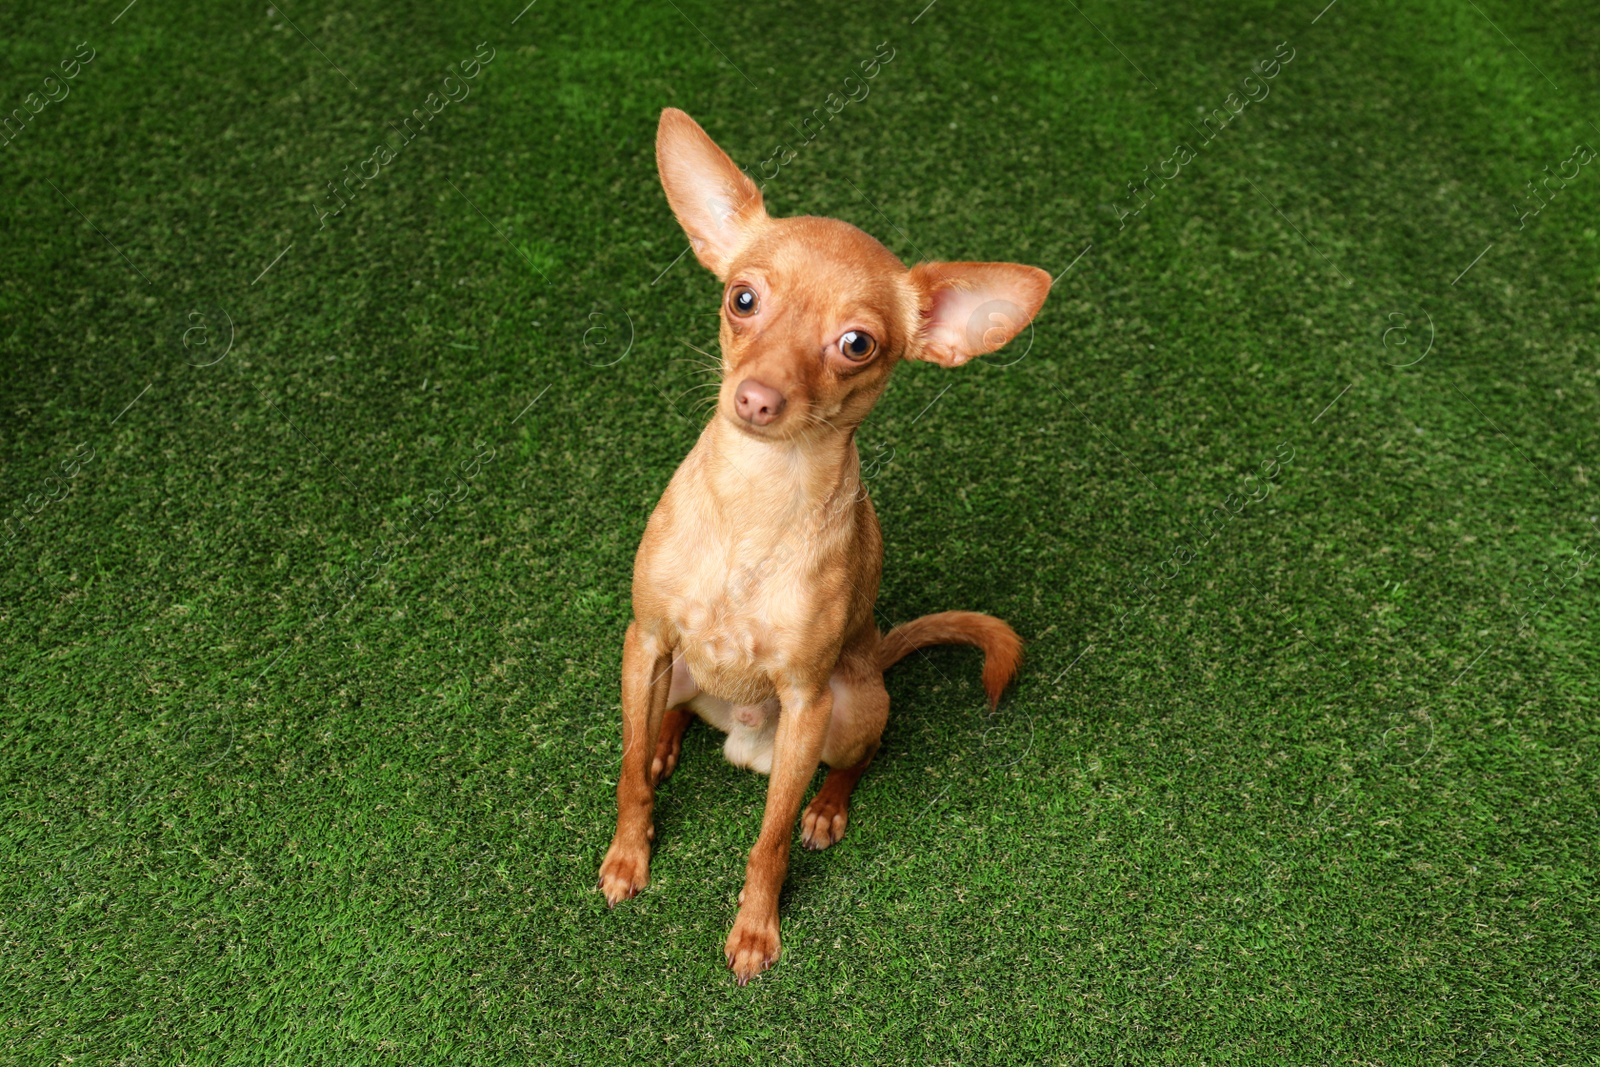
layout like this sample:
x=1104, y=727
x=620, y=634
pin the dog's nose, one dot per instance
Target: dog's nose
x=758, y=404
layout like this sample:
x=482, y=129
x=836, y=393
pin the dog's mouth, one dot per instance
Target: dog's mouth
x=798, y=422
x=776, y=430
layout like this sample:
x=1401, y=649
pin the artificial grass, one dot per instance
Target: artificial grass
x=312, y=652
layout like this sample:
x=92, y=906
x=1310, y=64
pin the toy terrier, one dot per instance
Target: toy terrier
x=754, y=584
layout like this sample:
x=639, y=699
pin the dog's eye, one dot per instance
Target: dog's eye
x=857, y=345
x=742, y=301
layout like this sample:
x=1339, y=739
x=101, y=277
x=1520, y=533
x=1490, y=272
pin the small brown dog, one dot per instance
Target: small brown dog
x=754, y=585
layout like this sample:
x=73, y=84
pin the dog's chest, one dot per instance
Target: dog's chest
x=740, y=606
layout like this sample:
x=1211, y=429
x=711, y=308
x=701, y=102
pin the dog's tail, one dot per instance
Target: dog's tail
x=1002, y=648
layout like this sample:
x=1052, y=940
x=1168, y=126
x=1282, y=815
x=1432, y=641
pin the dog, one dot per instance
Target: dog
x=754, y=584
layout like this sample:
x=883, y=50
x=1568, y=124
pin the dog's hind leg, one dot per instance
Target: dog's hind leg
x=860, y=712
x=829, y=811
x=673, y=725
x=676, y=720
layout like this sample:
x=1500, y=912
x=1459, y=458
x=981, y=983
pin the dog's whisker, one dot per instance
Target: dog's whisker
x=811, y=418
x=716, y=361
x=693, y=388
x=706, y=368
x=700, y=350
x=706, y=357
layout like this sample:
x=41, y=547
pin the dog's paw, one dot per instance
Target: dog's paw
x=752, y=945
x=670, y=747
x=666, y=759
x=824, y=821
x=626, y=870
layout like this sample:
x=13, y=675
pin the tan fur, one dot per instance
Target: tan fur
x=754, y=584
x=1002, y=648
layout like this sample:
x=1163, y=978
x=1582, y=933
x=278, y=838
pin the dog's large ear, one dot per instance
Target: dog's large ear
x=717, y=205
x=970, y=309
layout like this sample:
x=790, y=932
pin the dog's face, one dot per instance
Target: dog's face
x=816, y=313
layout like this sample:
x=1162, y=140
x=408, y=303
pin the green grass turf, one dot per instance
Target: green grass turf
x=1318, y=792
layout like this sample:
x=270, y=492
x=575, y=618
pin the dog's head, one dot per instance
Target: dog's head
x=816, y=313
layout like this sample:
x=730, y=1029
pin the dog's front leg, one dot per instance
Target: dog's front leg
x=796, y=751
x=646, y=679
